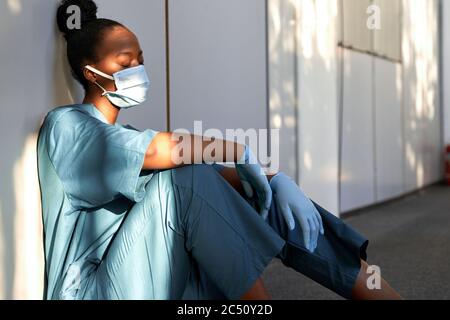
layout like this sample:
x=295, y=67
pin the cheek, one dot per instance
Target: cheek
x=109, y=67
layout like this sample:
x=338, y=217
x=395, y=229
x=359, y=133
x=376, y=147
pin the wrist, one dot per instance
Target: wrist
x=270, y=176
x=273, y=180
x=248, y=157
x=277, y=178
x=244, y=157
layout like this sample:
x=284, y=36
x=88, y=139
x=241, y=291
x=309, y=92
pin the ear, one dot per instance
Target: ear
x=89, y=75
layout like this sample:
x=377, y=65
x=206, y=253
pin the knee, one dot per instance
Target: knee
x=204, y=175
x=191, y=175
x=203, y=169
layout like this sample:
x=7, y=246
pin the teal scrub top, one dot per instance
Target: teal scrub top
x=85, y=165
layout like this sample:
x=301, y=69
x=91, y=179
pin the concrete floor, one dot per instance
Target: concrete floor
x=409, y=240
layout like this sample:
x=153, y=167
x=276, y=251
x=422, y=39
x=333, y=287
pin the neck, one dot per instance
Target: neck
x=110, y=111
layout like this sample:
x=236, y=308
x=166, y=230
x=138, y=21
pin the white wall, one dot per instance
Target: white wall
x=318, y=101
x=372, y=136
x=422, y=123
x=303, y=94
x=372, y=142
x=283, y=81
x=357, y=154
x=446, y=68
x=33, y=82
x=218, y=64
x=390, y=111
x=388, y=108
x=391, y=141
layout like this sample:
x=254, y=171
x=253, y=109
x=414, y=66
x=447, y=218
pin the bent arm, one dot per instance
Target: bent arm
x=171, y=150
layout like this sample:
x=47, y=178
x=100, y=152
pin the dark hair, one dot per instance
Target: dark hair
x=82, y=43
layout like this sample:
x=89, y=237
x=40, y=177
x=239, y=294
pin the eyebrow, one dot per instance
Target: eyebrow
x=130, y=53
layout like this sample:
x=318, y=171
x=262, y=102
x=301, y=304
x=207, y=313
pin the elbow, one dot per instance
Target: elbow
x=160, y=153
x=151, y=152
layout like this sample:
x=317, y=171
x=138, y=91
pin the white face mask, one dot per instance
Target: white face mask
x=132, y=85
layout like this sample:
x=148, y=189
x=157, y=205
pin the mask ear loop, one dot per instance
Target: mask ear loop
x=104, y=75
x=105, y=92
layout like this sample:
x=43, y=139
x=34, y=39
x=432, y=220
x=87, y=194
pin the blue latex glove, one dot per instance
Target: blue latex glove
x=253, y=179
x=293, y=202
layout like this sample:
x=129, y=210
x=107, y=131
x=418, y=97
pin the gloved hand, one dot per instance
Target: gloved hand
x=293, y=202
x=253, y=179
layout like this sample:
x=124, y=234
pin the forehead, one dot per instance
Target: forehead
x=119, y=39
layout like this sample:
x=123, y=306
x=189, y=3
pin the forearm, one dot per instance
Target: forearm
x=170, y=150
x=205, y=149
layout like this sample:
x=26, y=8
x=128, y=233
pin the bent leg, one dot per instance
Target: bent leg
x=338, y=262
x=361, y=290
x=335, y=264
x=190, y=219
x=257, y=292
x=147, y=258
x=226, y=236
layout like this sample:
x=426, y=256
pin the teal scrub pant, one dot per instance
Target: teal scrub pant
x=194, y=236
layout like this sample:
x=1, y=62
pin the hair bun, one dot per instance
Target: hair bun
x=88, y=12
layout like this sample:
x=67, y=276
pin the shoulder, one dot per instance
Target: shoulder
x=66, y=114
x=65, y=119
x=59, y=122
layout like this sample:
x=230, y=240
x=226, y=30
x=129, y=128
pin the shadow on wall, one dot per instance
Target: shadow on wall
x=302, y=48
x=43, y=74
x=422, y=128
x=317, y=39
x=282, y=76
x=317, y=105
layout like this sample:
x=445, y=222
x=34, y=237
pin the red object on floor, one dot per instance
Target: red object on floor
x=447, y=165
